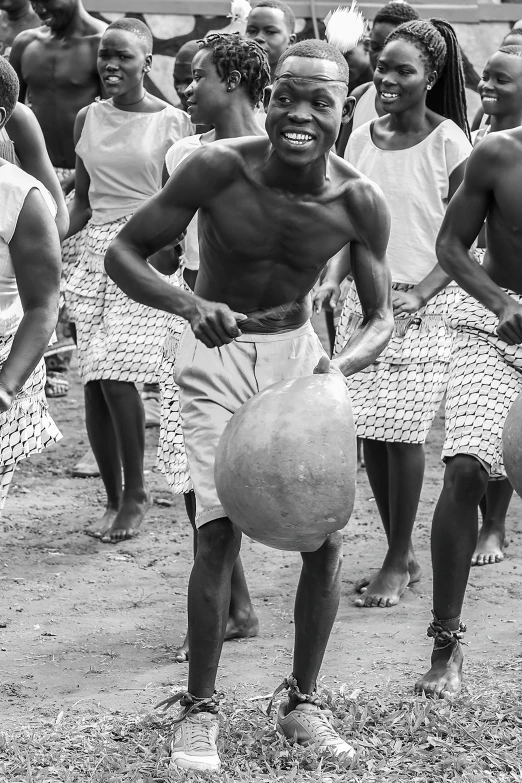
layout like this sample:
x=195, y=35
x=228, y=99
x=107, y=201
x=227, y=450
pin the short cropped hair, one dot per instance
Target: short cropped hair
x=319, y=50
x=287, y=12
x=9, y=87
x=396, y=13
x=134, y=26
x=515, y=51
x=234, y=52
x=514, y=31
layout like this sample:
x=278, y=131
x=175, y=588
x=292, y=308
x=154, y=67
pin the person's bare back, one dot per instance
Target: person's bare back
x=56, y=66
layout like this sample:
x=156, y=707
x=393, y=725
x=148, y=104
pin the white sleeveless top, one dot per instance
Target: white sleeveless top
x=123, y=153
x=15, y=185
x=415, y=183
x=365, y=109
x=178, y=152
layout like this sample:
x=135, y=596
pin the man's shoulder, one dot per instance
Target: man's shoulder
x=23, y=39
x=93, y=28
x=499, y=148
x=236, y=153
x=357, y=186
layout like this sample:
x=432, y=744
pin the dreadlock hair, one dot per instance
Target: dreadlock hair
x=515, y=51
x=9, y=87
x=287, y=12
x=134, y=26
x=233, y=52
x=318, y=50
x=439, y=48
x=396, y=13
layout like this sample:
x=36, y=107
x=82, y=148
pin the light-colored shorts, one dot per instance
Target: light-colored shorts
x=215, y=382
x=485, y=378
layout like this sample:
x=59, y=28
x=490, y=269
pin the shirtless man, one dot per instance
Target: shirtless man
x=15, y=17
x=56, y=67
x=272, y=211
x=485, y=378
x=56, y=64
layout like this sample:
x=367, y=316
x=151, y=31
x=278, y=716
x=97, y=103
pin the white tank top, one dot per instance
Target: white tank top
x=124, y=153
x=15, y=185
x=365, y=110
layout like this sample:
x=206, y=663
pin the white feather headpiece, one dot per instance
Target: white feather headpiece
x=345, y=27
x=239, y=10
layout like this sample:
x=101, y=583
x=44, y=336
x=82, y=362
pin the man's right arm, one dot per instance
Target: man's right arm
x=462, y=223
x=372, y=278
x=15, y=59
x=158, y=223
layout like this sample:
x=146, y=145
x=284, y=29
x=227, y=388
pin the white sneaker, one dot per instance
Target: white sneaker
x=310, y=725
x=193, y=744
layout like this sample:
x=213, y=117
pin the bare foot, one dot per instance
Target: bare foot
x=385, y=589
x=414, y=570
x=104, y=523
x=127, y=521
x=490, y=546
x=236, y=629
x=242, y=627
x=445, y=676
x=182, y=652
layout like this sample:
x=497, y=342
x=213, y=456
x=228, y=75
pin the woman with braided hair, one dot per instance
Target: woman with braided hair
x=416, y=154
x=229, y=75
x=368, y=105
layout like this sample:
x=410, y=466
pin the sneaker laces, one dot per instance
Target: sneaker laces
x=323, y=729
x=290, y=684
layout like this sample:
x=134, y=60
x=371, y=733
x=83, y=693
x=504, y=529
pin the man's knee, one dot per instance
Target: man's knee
x=329, y=556
x=466, y=477
x=219, y=540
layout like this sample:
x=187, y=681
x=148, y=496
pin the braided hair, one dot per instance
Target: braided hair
x=233, y=52
x=515, y=31
x=395, y=13
x=439, y=48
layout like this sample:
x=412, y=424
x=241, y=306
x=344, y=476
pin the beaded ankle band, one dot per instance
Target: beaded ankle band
x=444, y=637
x=290, y=684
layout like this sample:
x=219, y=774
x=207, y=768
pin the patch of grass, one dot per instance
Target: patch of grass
x=475, y=739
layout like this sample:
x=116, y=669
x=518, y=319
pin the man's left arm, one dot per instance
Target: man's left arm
x=372, y=278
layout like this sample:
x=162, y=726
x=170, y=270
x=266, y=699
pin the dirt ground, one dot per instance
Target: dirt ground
x=83, y=622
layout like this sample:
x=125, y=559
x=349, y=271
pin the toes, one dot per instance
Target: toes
x=474, y=560
x=359, y=602
x=181, y=656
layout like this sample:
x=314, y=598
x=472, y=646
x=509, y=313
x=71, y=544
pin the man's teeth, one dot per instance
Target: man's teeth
x=298, y=138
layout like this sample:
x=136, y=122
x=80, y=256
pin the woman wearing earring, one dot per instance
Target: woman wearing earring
x=416, y=153
x=120, y=145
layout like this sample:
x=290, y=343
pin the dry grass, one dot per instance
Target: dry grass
x=475, y=739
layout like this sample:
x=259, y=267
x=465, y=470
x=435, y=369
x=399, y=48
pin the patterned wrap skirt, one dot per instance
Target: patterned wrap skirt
x=118, y=339
x=171, y=457
x=396, y=398
x=26, y=428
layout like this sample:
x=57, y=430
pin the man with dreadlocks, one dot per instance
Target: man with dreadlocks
x=254, y=261
x=485, y=376
x=230, y=74
x=416, y=153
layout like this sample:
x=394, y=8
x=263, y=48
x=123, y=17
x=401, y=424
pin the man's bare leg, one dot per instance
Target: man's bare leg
x=104, y=445
x=316, y=605
x=126, y=409
x=453, y=539
x=395, y=472
x=494, y=506
x=209, y=602
x=242, y=620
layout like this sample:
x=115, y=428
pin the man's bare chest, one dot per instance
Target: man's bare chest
x=51, y=66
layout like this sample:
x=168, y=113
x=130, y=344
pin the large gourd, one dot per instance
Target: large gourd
x=286, y=463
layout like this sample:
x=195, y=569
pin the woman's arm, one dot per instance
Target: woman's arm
x=38, y=280
x=80, y=208
x=28, y=139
